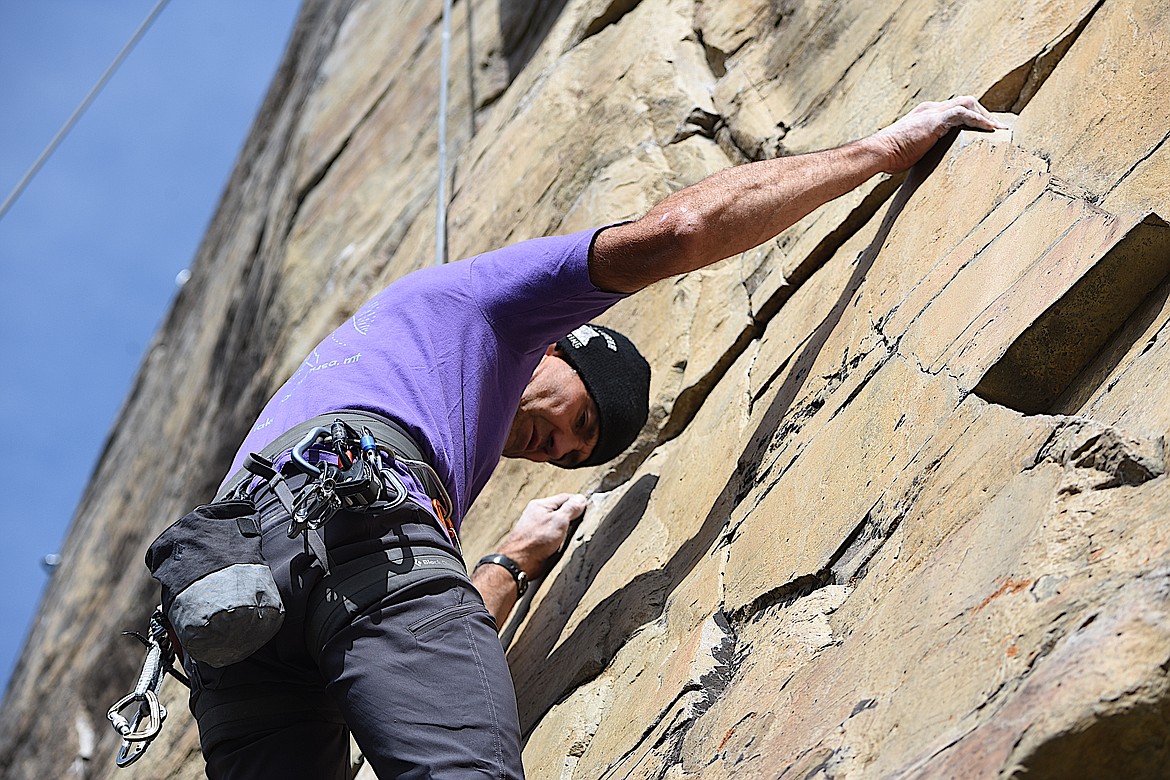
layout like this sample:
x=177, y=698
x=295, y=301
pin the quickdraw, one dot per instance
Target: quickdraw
x=140, y=729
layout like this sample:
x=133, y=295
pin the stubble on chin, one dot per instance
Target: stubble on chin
x=513, y=443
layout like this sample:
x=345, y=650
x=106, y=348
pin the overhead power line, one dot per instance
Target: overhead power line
x=77, y=112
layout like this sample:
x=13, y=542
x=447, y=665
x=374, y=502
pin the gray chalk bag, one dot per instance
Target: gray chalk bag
x=217, y=590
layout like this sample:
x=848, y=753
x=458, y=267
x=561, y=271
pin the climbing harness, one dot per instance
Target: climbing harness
x=220, y=602
x=144, y=724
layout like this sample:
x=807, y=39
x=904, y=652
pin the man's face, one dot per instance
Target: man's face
x=557, y=418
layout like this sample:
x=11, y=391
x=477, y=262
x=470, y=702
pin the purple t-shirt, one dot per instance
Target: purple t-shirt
x=446, y=352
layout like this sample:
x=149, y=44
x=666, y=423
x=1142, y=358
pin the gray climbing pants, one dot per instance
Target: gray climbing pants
x=414, y=670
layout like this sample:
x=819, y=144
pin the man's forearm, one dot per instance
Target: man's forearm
x=742, y=207
x=532, y=545
x=727, y=213
x=498, y=590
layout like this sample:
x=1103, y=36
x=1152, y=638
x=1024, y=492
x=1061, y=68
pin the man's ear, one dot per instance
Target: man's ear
x=553, y=349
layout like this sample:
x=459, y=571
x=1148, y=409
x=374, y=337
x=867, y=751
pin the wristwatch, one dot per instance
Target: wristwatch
x=513, y=568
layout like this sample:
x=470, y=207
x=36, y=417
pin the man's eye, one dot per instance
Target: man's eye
x=581, y=421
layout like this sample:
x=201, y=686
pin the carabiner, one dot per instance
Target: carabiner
x=129, y=752
x=298, y=452
x=133, y=730
x=136, y=738
x=392, y=487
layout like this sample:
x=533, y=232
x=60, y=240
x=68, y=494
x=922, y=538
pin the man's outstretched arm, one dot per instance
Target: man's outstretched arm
x=742, y=207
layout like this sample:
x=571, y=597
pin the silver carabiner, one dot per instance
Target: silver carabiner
x=392, y=482
x=316, y=503
x=129, y=752
x=144, y=725
x=134, y=730
x=138, y=732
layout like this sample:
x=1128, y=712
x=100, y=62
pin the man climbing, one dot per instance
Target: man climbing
x=454, y=366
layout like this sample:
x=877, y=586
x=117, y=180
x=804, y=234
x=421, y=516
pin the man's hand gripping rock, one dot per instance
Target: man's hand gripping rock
x=909, y=139
x=538, y=536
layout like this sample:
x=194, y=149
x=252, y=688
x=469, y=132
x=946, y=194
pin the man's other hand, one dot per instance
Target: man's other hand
x=540, y=533
x=537, y=537
x=906, y=141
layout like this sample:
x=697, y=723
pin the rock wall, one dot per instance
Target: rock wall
x=901, y=507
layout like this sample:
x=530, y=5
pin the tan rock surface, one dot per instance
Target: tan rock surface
x=900, y=509
x=1114, y=87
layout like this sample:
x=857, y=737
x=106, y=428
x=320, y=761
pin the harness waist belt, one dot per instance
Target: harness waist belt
x=386, y=431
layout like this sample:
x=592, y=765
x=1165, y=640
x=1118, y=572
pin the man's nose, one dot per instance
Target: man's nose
x=560, y=445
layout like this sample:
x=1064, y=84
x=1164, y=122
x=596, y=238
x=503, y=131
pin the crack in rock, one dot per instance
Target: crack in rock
x=699, y=122
x=1015, y=90
x=783, y=596
x=613, y=14
x=667, y=734
x=315, y=181
x=1138, y=163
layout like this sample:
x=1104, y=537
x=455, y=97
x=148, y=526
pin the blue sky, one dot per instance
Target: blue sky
x=90, y=253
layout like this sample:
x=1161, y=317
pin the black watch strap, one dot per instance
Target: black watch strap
x=513, y=568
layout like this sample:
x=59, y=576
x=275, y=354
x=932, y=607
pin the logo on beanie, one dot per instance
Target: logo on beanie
x=584, y=334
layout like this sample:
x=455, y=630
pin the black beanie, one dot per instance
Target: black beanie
x=618, y=379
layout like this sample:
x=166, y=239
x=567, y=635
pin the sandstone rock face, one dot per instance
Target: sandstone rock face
x=901, y=507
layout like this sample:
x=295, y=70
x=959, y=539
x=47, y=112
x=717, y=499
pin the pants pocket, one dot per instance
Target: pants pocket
x=429, y=624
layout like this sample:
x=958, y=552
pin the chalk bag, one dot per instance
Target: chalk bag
x=217, y=590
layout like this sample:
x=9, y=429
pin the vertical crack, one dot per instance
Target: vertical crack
x=691, y=400
x=662, y=741
x=1014, y=91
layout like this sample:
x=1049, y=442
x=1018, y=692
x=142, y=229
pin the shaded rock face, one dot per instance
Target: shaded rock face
x=901, y=507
